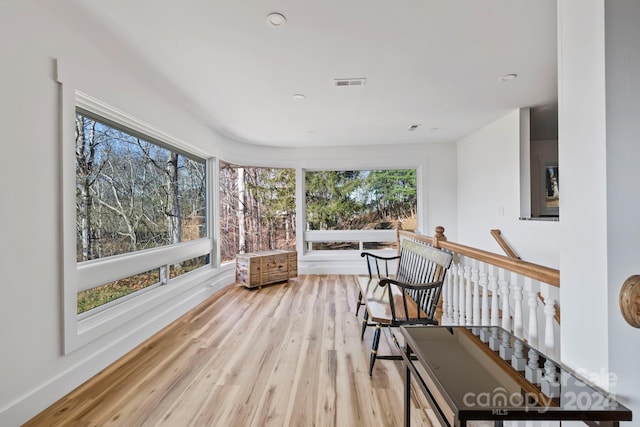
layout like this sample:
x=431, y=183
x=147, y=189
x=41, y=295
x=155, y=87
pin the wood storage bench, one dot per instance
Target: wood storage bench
x=256, y=269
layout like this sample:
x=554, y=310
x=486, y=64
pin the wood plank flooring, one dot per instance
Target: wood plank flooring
x=284, y=355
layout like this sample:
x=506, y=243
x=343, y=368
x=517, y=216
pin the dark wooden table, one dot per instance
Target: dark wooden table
x=465, y=381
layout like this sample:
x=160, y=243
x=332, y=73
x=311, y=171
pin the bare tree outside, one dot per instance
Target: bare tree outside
x=133, y=194
x=257, y=209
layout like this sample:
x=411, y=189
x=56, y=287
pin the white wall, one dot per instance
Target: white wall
x=599, y=84
x=622, y=59
x=33, y=371
x=489, y=195
x=582, y=156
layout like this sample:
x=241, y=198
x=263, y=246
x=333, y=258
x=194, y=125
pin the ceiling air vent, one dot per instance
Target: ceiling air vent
x=349, y=82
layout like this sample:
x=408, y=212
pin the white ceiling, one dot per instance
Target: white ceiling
x=435, y=63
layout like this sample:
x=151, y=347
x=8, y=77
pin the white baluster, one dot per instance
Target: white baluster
x=549, y=337
x=444, y=320
x=532, y=302
x=549, y=384
x=467, y=293
x=532, y=371
x=461, y=301
x=494, y=342
x=484, y=282
x=505, y=348
x=504, y=297
x=450, y=297
x=517, y=305
x=476, y=294
x=455, y=316
x=518, y=360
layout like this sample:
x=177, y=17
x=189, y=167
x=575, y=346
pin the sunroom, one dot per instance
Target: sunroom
x=481, y=101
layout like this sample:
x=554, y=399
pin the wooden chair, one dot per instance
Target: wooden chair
x=409, y=298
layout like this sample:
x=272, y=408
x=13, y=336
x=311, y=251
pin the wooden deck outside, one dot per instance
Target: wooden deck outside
x=284, y=355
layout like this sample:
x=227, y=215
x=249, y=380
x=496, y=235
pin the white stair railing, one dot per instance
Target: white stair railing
x=487, y=289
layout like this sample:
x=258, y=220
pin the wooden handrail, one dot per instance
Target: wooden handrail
x=541, y=273
x=497, y=234
x=418, y=237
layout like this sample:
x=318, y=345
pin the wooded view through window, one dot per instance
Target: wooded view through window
x=257, y=209
x=258, y=206
x=133, y=194
x=360, y=200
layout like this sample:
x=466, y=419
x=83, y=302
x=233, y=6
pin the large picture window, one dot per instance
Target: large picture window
x=346, y=209
x=133, y=193
x=257, y=209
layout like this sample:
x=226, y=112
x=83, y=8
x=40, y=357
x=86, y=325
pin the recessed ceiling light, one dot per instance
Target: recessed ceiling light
x=433, y=129
x=276, y=19
x=508, y=77
x=299, y=96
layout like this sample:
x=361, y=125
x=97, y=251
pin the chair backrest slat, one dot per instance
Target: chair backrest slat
x=421, y=264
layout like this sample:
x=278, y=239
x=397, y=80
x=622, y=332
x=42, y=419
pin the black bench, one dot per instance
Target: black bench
x=410, y=297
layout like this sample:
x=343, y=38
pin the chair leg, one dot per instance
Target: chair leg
x=364, y=324
x=374, y=348
x=359, y=302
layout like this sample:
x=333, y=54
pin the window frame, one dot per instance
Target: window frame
x=79, y=330
x=361, y=237
x=247, y=166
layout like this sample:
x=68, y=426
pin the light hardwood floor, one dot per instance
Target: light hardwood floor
x=284, y=355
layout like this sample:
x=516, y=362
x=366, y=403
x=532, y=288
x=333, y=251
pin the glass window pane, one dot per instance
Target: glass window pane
x=133, y=194
x=335, y=246
x=187, y=266
x=108, y=292
x=369, y=246
x=257, y=209
x=360, y=200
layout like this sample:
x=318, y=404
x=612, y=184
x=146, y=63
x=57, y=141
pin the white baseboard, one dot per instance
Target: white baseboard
x=27, y=406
